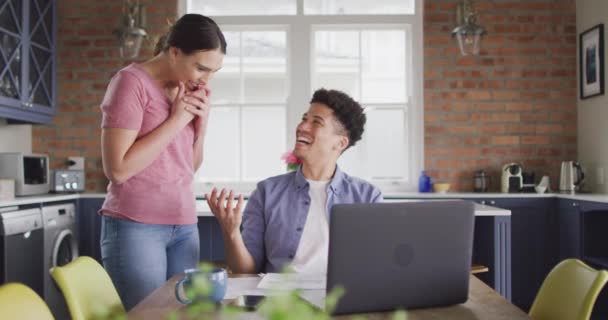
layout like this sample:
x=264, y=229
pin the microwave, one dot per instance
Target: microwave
x=30, y=172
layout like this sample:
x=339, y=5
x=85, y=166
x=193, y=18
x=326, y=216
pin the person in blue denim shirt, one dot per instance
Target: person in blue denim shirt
x=285, y=222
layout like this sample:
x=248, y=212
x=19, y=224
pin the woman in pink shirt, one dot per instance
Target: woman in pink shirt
x=153, y=129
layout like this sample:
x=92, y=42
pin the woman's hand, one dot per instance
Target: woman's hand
x=199, y=102
x=180, y=108
x=228, y=217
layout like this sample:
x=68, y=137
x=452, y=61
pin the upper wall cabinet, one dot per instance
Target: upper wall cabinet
x=27, y=60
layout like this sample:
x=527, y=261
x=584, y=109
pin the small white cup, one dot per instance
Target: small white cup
x=540, y=189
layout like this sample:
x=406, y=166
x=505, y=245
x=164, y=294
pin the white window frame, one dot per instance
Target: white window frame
x=240, y=105
x=299, y=91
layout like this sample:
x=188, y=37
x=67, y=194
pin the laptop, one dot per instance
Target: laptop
x=405, y=255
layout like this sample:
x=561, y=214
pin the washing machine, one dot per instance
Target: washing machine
x=21, y=247
x=60, y=248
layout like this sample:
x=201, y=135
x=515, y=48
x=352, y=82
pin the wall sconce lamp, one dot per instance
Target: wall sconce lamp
x=131, y=34
x=468, y=33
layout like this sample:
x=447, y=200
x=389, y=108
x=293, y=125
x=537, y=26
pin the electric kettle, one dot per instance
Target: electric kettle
x=571, y=176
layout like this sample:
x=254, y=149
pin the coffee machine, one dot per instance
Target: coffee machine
x=512, y=178
x=528, y=184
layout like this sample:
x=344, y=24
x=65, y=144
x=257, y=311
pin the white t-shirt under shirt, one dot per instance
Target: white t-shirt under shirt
x=311, y=256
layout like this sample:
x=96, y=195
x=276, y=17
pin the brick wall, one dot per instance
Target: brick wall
x=515, y=102
x=87, y=59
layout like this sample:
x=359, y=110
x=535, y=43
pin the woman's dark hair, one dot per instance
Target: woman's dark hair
x=192, y=32
x=347, y=111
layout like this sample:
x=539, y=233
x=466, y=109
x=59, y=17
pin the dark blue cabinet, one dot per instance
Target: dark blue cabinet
x=492, y=248
x=594, y=247
x=212, y=242
x=569, y=229
x=89, y=227
x=533, y=244
x=583, y=226
x=28, y=60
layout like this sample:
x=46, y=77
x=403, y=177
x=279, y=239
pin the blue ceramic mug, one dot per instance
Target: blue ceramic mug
x=217, y=279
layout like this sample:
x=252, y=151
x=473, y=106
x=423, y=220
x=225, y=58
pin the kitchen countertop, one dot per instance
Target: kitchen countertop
x=459, y=195
x=18, y=201
x=203, y=209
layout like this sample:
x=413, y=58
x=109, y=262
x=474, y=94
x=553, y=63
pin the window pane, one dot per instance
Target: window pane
x=359, y=7
x=385, y=142
x=381, y=154
x=264, y=66
x=353, y=159
x=222, y=145
x=264, y=131
x=225, y=89
x=337, y=61
x=225, y=84
x=241, y=7
x=383, y=67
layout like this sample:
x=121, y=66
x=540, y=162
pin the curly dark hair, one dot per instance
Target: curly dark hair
x=347, y=111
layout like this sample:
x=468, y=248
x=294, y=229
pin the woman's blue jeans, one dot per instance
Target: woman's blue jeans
x=141, y=257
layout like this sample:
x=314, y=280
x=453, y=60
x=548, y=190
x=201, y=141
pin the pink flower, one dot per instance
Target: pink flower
x=290, y=158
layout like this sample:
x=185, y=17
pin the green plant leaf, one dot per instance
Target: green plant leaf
x=400, y=315
x=331, y=300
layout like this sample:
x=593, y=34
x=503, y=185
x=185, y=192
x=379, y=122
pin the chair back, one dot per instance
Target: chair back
x=569, y=292
x=18, y=301
x=88, y=289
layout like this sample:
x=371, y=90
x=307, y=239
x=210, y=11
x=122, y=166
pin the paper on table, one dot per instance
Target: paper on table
x=291, y=281
x=315, y=297
x=243, y=286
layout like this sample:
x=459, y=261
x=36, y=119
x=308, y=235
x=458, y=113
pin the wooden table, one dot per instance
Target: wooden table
x=483, y=303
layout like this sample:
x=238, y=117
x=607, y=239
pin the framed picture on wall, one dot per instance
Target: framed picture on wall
x=591, y=62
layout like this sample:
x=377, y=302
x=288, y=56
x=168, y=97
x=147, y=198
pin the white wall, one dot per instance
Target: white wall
x=593, y=112
x=15, y=137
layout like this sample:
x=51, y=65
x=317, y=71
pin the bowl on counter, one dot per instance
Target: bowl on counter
x=441, y=187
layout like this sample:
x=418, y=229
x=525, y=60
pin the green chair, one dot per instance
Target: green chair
x=568, y=292
x=17, y=301
x=88, y=289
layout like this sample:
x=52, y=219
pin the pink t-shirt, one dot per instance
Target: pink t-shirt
x=162, y=192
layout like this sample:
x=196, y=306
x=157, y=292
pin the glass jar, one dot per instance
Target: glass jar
x=480, y=183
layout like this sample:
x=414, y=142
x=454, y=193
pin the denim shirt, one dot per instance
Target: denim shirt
x=276, y=212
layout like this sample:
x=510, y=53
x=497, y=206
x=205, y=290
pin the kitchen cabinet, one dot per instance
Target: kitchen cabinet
x=212, y=243
x=587, y=228
x=582, y=227
x=89, y=227
x=545, y=231
x=28, y=60
x=569, y=229
x=593, y=226
x=533, y=248
x=492, y=248
x=89, y=224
